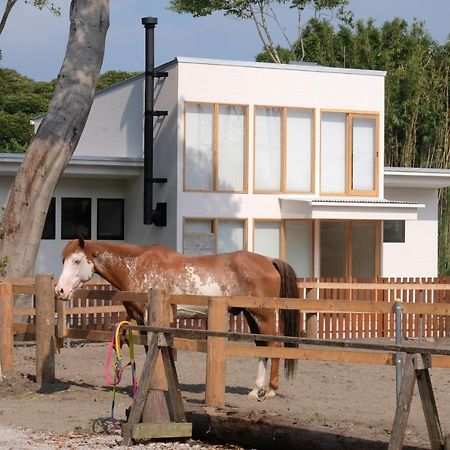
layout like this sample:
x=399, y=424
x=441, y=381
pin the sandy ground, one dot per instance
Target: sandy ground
x=340, y=396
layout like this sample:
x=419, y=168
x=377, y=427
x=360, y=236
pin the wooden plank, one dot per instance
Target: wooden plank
x=372, y=286
x=117, y=296
x=190, y=345
x=17, y=312
x=216, y=354
x=6, y=330
x=173, y=385
x=28, y=290
x=24, y=328
x=94, y=309
x=429, y=408
x=145, y=431
x=90, y=335
x=141, y=395
x=403, y=405
x=45, y=331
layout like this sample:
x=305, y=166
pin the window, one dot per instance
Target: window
x=75, y=218
x=283, y=149
x=291, y=240
x=349, y=154
x=110, y=218
x=349, y=249
x=210, y=236
x=215, y=147
x=394, y=231
x=50, y=221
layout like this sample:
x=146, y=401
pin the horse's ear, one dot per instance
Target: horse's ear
x=81, y=242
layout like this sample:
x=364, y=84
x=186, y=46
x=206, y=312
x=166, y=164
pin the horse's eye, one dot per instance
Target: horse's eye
x=77, y=261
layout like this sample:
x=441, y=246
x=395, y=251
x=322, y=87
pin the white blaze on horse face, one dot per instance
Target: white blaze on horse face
x=76, y=271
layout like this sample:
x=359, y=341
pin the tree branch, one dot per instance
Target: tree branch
x=8, y=7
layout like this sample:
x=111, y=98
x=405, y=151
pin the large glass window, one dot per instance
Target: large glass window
x=50, y=221
x=349, y=154
x=75, y=218
x=283, y=149
x=290, y=240
x=349, y=249
x=210, y=236
x=110, y=218
x=215, y=147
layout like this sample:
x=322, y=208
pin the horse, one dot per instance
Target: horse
x=136, y=268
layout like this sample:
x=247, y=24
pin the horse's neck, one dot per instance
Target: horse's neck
x=116, y=264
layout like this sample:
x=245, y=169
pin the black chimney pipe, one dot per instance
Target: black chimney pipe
x=151, y=216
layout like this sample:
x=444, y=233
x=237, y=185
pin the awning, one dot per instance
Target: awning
x=332, y=208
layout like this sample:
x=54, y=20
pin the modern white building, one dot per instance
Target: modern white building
x=283, y=160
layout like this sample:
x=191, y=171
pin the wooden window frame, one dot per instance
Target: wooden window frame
x=350, y=115
x=216, y=108
x=283, y=156
x=214, y=228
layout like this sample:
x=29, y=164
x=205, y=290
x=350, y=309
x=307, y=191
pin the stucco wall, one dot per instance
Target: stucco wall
x=418, y=255
x=268, y=86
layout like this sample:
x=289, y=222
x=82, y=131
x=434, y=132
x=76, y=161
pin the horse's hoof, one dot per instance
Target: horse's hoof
x=270, y=395
x=257, y=394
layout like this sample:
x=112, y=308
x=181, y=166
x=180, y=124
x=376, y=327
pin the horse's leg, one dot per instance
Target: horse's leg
x=267, y=325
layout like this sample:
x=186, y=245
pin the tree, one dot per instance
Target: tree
x=264, y=14
x=41, y=4
x=57, y=137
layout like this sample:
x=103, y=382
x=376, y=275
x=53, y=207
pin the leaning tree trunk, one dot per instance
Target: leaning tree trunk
x=56, y=138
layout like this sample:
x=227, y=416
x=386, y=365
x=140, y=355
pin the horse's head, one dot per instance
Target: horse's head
x=78, y=267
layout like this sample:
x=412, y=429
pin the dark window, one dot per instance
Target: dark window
x=110, y=214
x=50, y=221
x=75, y=218
x=394, y=231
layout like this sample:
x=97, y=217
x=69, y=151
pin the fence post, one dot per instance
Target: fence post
x=6, y=329
x=311, y=318
x=156, y=407
x=398, y=341
x=216, y=358
x=45, y=331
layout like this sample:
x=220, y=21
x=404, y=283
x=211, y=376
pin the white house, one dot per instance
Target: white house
x=284, y=160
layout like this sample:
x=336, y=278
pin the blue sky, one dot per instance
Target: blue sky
x=33, y=42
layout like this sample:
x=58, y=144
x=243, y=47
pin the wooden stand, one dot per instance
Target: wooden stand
x=417, y=368
x=157, y=411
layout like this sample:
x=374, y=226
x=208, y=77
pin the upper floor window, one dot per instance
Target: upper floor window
x=349, y=154
x=283, y=149
x=215, y=147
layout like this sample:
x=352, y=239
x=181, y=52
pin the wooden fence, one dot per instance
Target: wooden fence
x=330, y=310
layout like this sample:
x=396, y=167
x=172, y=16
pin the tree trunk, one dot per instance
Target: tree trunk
x=56, y=138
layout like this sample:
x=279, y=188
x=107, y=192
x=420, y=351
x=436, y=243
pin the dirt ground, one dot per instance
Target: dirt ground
x=339, y=396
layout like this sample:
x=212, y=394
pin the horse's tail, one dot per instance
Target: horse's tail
x=289, y=318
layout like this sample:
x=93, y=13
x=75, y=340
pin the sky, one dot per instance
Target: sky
x=34, y=42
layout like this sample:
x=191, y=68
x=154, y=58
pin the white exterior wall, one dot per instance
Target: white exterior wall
x=115, y=123
x=268, y=85
x=418, y=255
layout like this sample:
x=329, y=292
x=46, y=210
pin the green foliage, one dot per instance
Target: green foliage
x=22, y=99
x=112, y=77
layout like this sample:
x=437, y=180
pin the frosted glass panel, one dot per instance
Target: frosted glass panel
x=363, y=250
x=267, y=149
x=231, y=147
x=199, y=147
x=363, y=154
x=298, y=150
x=267, y=239
x=333, y=153
x=332, y=249
x=299, y=247
x=198, y=226
x=230, y=236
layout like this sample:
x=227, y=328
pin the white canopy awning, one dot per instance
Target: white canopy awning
x=332, y=208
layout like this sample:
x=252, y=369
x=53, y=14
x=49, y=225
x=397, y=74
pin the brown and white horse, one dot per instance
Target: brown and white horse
x=134, y=268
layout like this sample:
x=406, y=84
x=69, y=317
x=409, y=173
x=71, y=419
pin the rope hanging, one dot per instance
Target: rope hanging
x=116, y=344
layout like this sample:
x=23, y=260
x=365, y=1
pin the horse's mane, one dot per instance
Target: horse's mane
x=121, y=249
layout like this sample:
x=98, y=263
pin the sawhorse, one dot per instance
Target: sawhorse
x=160, y=343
